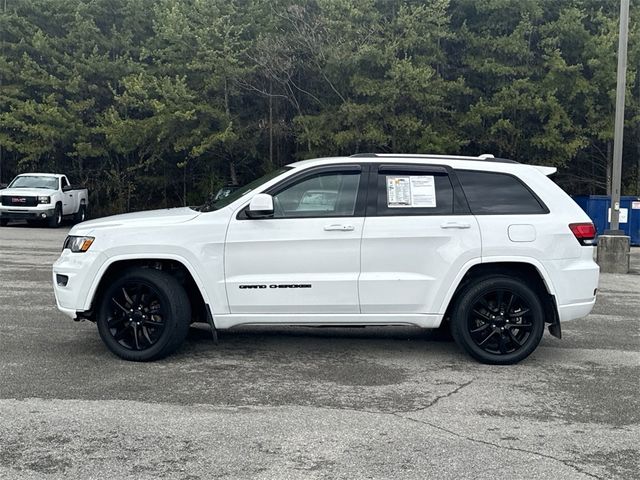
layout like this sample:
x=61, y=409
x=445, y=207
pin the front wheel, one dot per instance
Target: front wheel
x=498, y=320
x=144, y=315
x=56, y=220
x=3, y=222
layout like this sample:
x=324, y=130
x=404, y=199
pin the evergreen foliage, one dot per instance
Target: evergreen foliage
x=155, y=103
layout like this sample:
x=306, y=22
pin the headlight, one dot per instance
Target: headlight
x=46, y=200
x=78, y=244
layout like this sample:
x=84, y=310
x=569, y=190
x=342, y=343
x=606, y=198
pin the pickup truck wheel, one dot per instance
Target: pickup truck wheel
x=498, y=320
x=3, y=222
x=144, y=315
x=81, y=215
x=56, y=220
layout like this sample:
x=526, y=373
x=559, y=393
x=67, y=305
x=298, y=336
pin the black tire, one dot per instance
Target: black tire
x=81, y=214
x=56, y=220
x=3, y=222
x=144, y=315
x=498, y=320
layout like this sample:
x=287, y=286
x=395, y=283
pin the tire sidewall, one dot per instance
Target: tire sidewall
x=82, y=214
x=162, y=346
x=463, y=308
x=56, y=220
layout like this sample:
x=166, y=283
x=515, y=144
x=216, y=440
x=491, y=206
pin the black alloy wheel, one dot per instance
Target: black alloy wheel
x=145, y=315
x=498, y=320
x=136, y=318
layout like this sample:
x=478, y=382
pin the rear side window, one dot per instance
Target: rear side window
x=414, y=193
x=490, y=193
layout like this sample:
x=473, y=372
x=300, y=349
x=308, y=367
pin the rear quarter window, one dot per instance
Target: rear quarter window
x=492, y=193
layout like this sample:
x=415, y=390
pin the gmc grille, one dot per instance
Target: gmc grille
x=19, y=201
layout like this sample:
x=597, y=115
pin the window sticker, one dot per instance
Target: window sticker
x=416, y=191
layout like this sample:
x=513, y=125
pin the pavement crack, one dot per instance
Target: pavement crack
x=400, y=415
x=497, y=445
x=437, y=399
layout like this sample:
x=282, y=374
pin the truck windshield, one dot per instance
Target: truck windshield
x=32, y=181
x=213, y=204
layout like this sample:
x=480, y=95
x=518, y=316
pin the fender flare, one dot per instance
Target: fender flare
x=495, y=259
x=138, y=256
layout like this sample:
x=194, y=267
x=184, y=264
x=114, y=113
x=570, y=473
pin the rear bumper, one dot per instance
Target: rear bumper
x=575, y=282
x=575, y=310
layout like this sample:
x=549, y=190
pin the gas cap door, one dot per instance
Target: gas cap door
x=522, y=233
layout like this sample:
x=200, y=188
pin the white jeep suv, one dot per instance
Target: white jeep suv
x=490, y=248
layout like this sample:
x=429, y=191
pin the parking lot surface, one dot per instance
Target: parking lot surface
x=278, y=403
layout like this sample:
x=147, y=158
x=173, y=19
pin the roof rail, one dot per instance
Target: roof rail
x=487, y=157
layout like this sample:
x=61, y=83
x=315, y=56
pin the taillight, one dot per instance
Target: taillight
x=585, y=233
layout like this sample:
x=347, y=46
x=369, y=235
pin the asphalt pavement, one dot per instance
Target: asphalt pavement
x=280, y=403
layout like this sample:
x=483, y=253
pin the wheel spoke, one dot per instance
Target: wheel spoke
x=152, y=323
x=119, y=306
x=502, y=344
x=499, y=298
x=113, y=321
x=480, y=329
x=515, y=339
x=146, y=334
x=135, y=336
x=120, y=334
x=487, y=338
x=509, y=304
x=127, y=297
x=483, y=316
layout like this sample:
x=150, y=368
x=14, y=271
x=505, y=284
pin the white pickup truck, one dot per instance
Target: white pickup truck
x=42, y=197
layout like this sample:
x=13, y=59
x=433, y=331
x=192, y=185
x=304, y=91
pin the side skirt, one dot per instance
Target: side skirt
x=335, y=320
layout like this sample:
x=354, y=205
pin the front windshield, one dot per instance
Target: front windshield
x=32, y=181
x=240, y=192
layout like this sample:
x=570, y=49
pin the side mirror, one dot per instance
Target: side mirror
x=261, y=206
x=67, y=188
x=3, y=185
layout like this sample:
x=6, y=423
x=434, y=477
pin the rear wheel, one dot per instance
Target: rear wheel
x=81, y=215
x=498, y=320
x=144, y=315
x=56, y=220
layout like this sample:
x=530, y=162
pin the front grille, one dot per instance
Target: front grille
x=19, y=201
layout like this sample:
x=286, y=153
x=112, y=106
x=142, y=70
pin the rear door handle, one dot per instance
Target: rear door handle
x=339, y=227
x=455, y=225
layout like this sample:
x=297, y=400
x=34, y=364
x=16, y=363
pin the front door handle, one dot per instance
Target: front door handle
x=455, y=225
x=339, y=227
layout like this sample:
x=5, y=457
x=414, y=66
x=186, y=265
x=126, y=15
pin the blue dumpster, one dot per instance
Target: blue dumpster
x=597, y=207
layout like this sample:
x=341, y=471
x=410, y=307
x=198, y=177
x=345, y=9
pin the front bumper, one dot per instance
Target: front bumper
x=40, y=212
x=80, y=270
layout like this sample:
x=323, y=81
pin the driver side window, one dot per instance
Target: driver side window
x=322, y=195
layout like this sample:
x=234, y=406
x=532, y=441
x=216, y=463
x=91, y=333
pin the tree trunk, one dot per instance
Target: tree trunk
x=184, y=185
x=232, y=173
x=270, y=165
